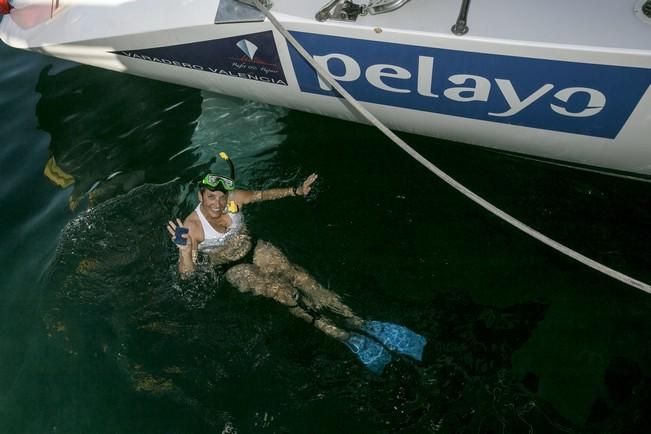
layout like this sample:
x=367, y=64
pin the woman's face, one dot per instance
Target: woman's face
x=213, y=202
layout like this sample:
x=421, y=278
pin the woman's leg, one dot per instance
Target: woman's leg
x=237, y=247
x=319, y=296
x=249, y=278
x=271, y=261
x=323, y=324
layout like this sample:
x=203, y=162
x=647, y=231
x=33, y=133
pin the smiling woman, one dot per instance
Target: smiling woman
x=216, y=224
x=267, y=272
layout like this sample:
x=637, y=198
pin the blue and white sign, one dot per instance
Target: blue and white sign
x=252, y=57
x=580, y=98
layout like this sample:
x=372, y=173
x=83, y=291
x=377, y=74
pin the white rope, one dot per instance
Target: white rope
x=444, y=176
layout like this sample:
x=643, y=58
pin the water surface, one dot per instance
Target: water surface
x=97, y=334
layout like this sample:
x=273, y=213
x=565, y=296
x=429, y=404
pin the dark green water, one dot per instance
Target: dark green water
x=98, y=335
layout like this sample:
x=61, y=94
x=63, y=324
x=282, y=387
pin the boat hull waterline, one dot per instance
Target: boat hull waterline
x=582, y=105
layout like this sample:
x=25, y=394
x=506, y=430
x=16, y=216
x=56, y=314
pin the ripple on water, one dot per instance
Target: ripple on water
x=244, y=129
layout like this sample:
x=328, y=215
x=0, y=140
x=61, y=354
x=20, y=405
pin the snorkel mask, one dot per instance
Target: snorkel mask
x=221, y=183
x=218, y=182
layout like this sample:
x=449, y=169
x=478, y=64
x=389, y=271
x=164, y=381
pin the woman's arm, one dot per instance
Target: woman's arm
x=187, y=263
x=244, y=197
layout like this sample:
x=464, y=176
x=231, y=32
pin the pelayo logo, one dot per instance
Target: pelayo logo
x=594, y=100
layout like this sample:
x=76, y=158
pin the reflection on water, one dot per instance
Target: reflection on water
x=249, y=131
x=105, y=144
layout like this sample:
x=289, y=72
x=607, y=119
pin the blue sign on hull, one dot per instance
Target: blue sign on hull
x=252, y=57
x=580, y=98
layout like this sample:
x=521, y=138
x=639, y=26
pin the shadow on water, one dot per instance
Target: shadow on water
x=106, y=130
x=509, y=324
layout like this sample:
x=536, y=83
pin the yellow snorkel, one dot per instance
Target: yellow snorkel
x=232, y=206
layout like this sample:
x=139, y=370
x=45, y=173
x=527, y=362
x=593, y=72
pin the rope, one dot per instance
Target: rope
x=444, y=176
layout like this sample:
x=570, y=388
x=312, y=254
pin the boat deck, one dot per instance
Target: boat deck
x=594, y=23
x=607, y=24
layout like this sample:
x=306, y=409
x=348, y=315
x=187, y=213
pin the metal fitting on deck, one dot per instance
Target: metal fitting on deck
x=646, y=8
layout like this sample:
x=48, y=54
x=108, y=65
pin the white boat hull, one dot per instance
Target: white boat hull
x=582, y=104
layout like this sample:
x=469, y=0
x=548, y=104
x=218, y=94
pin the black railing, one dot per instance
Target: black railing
x=461, y=26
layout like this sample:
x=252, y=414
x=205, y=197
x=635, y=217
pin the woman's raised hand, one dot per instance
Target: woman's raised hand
x=171, y=228
x=305, y=189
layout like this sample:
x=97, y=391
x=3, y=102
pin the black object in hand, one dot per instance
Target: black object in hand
x=178, y=238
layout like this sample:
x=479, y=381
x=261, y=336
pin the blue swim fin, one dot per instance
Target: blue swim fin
x=397, y=338
x=373, y=355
